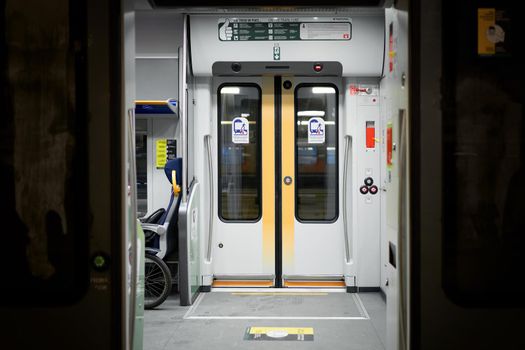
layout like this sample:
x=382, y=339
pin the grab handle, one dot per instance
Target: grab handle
x=207, y=140
x=176, y=187
x=347, y=232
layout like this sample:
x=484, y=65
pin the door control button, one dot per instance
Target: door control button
x=369, y=181
x=373, y=189
x=287, y=180
x=363, y=189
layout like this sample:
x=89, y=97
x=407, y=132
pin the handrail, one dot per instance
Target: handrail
x=348, y=146
x=207, y=140
x=133, y=223
x=183, y=107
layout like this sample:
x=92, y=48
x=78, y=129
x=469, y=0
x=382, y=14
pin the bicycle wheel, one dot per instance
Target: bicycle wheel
x=157, y=285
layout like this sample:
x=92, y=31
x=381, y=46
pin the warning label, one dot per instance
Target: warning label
x=279, y=333
x=325, y=31
x=165, y=150
x=493, y=32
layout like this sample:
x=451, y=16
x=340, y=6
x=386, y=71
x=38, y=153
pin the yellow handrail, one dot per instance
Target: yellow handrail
x=176, y=188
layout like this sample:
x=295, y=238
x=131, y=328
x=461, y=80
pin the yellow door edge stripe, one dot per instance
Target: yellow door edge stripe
x=268, y=174
x=288, y=191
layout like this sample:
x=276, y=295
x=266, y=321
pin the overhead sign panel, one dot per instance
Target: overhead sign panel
x=275, y=29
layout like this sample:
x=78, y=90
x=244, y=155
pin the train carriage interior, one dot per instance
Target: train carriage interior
x=237, y=175
x=293, y=123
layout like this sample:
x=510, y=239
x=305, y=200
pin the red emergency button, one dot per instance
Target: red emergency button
x=318, y=67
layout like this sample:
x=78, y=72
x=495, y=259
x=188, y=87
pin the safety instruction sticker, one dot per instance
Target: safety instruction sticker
x=165, y=150
x=279, y=333
x=240, y=130
x=325, y=31
x=269, y=29
x=316, y=130
x=493, y=37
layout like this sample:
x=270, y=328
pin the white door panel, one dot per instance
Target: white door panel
x=318, y=246
x=319, y=249
x=237, y=246
x=241, y=251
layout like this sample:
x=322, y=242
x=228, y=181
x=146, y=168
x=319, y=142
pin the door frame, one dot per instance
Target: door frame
x=273, y=85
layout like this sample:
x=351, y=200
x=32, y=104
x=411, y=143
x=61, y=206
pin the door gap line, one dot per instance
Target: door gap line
x=360, y=305
x=327, y=318
x=194, y=306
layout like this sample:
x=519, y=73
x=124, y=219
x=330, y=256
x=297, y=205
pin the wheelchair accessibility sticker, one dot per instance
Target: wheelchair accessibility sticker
x=240, y=130
x=316, y=130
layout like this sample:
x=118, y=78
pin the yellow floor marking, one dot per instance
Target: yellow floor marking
x=236, y=283
x=314, y=284
x=289, y=330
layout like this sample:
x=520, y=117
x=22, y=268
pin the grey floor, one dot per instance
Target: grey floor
x=220, y=319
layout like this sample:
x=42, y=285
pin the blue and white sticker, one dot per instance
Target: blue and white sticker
x=240, y=130
x=316, y=130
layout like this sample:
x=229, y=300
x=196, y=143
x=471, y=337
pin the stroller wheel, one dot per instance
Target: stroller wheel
x=157, y=284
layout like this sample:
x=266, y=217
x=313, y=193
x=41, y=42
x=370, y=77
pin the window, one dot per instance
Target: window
x=239, y=152
x=483, y=167
x=316, y=162
x=141, y=138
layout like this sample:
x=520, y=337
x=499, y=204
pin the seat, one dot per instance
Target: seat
x=154, y=217
x=161, y=227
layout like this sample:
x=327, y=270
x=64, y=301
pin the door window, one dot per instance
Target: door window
x=316, y=117
x=141, y=142
x=239, y=152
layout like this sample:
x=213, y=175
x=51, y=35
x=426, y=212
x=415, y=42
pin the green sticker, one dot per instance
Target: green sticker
x=276, y=52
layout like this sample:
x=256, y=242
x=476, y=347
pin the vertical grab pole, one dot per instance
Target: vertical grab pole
x=348, y=145
x=207, y=139
x=183, y=108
